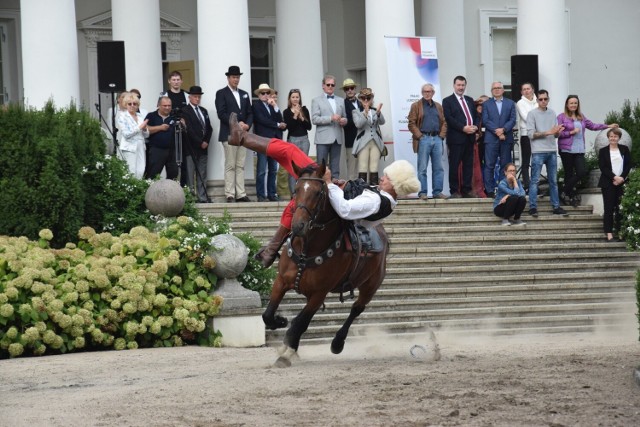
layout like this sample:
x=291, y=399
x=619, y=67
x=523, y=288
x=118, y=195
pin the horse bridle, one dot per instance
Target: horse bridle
x=313, y=223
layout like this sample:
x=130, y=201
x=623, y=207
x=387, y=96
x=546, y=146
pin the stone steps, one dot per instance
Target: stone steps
x=451, y=265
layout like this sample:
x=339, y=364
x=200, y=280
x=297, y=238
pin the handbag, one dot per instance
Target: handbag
x=385, y=152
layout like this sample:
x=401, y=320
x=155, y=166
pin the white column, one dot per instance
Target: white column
x=292, y=71
x=385, y=19
x=137, y=23
x=220, y=45
x=49, y=52
x=444, y=20
x=543, y=31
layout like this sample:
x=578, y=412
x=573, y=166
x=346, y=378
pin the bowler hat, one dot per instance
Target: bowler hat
x=195, y=90
x=234, y=70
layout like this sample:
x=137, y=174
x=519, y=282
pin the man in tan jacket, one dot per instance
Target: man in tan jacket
x=429, y=129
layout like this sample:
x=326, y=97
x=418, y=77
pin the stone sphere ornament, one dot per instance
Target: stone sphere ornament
x=165, y=197
x=602, y=140
x=230, y=254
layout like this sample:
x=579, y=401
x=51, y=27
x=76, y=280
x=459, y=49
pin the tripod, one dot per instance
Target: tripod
x=113, y=130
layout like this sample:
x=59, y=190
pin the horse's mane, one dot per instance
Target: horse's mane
x=310, y=169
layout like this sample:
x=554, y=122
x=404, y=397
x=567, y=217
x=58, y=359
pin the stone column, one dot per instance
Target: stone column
x=137, y=23
x=49, y=52
x=385, y=19
x=291, y=71
x=220, y=45
x=543, y=31
x=444, y=20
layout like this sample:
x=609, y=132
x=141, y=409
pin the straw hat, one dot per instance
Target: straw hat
x=348, y=83
x=263, y=88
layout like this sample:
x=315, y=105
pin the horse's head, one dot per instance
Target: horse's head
x=311, y=197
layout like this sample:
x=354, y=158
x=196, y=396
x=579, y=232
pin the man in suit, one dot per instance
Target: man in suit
x=351, y=102
x=199, y=132
x=462, y=125
x=329, y=116
x=229, y=100
x=267, y=122
x=499, y=119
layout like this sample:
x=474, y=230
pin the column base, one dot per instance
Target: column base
x=240, y=328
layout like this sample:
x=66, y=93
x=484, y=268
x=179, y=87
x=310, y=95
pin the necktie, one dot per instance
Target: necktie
x=200, y=117
x=466, y=111
x=330, y=96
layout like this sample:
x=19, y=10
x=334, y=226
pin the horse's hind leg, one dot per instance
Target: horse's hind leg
x=269, y=317
x=337, y=345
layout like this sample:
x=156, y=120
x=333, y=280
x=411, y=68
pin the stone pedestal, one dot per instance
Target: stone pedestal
x=239, y=321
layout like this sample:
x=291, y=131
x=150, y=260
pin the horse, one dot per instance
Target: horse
x=315, y=262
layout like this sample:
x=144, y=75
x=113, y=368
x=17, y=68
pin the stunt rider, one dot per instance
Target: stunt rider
x=372, y=204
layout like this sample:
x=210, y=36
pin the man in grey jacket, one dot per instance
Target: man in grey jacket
x=328, y=114
x=543, y=130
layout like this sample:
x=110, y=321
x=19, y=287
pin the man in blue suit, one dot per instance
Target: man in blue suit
x=462, y=125
x=229, y=100
x=267, y=122
x=499, y=119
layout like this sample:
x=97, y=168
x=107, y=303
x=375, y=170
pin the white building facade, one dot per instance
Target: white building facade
x=48, y=48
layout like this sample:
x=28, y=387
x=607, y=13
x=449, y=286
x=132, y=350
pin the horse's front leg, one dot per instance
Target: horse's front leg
x=269, y=317
x=337, y=345
x=298, y=327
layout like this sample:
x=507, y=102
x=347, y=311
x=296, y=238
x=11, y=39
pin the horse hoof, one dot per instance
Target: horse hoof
x=282, y=362
x=277, y=323
x=337, y=346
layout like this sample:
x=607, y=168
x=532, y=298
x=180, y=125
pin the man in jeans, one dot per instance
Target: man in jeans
x=543, y=130
x=428, y=129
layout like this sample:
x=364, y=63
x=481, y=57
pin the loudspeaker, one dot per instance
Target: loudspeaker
x=111, y=67
x=524, y=68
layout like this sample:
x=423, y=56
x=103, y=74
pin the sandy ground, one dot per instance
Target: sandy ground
x=537, y=380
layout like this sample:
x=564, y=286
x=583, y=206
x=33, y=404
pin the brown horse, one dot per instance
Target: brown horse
x=315, y=261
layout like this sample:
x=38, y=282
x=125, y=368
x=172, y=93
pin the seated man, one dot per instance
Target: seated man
x=399, y=180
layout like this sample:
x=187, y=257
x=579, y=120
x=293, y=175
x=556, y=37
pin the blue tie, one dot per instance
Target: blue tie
x=330, y=96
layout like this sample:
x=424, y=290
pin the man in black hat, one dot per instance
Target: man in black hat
x=199, y=132
x=229, y=100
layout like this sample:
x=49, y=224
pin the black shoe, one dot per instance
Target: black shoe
x=560, y=211
x=491, y=195
x=230, y=199
x=455, y=196
x=262, y=199
x=274, y=198
x=467, y=196
x=243, y=199
x=533, y=212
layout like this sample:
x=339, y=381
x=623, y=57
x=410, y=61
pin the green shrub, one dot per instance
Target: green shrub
x=255, y=276
x=630, y=209
x=629, y=119
x=43, y=153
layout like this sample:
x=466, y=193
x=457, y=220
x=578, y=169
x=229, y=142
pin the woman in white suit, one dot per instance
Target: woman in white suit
x=368, y=145
x=133, y=128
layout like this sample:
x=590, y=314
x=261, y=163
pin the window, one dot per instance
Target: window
x=261, y=61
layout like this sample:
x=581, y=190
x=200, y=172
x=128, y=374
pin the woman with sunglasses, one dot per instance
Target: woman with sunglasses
x=298, y=122
x=571, y=144
x=368, y=145
x=133, y=130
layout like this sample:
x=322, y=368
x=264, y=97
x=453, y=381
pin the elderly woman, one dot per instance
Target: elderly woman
x=372, y=204
x=368, y=145
x=615, y=163
x=133, y=129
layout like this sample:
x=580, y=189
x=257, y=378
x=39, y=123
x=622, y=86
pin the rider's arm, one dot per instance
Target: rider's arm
x=360, y=207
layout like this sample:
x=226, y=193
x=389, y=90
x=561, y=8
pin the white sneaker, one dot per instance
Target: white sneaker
x=518, y=222
x=505, y=222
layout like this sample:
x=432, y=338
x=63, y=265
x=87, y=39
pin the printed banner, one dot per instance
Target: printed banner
x=412, y=62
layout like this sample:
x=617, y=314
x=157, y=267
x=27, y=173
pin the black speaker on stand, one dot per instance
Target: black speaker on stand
x=524, y=68
x=111, y=76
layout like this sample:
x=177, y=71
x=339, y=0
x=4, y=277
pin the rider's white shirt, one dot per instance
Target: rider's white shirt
x=360, y=207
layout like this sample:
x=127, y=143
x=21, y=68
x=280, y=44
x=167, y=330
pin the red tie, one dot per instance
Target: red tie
x=466, y=111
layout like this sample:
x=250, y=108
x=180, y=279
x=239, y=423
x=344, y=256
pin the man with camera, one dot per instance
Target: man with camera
x=162, y=153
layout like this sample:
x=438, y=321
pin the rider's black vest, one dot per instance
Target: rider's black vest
x=355, y=188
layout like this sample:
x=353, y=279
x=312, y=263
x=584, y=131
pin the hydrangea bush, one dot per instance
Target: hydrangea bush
x=139, y=289
x=630, y=208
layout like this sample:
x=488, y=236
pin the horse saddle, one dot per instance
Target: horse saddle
x=365, y=239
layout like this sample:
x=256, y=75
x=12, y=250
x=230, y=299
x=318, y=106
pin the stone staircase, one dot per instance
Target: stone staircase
x=452, y=265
